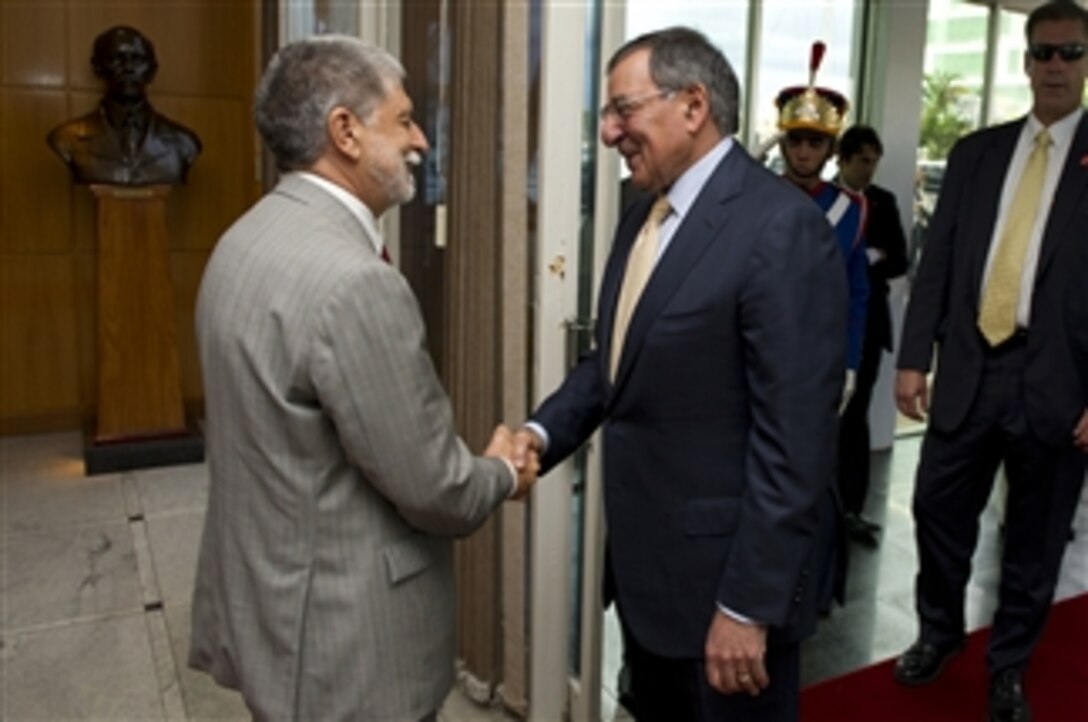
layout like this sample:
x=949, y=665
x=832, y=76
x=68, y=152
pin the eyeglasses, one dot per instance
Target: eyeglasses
x=1069, y=52
x=623, y=108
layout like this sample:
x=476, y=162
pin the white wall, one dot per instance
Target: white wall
x=896, y=109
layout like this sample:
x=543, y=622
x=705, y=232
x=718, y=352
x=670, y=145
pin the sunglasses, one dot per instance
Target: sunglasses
x=1069, y=52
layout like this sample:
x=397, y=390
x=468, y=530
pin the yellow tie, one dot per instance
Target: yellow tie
x=639, y=265
x=997, y=308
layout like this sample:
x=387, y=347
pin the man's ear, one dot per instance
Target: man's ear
x=697, y=107
x=344, y=128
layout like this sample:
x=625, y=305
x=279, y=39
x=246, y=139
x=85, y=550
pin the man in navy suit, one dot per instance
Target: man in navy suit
x=860, y=150
x=718, y=404
x=1017, y=397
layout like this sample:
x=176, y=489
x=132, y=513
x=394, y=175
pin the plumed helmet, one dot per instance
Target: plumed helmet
x=808, y=107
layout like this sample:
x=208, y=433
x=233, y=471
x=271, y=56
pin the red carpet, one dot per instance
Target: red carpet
x=1056, y=682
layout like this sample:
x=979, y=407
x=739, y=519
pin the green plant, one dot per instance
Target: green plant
x=944, y=120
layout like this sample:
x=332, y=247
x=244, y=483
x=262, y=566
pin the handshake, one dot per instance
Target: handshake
x=521, y=449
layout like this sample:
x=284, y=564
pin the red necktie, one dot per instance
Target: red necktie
x=385, y=255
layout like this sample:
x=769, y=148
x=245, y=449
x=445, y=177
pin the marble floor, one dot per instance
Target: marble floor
x=96, y=573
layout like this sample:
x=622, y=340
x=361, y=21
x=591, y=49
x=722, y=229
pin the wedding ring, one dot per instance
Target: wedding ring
x=743, y=678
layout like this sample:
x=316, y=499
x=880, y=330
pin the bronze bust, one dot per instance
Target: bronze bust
x=125, y=141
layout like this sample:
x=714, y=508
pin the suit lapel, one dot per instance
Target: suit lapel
x=696, y=233
x=1068, y=197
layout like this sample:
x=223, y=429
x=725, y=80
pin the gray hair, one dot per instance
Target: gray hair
x=681, y=58
x=308, y=78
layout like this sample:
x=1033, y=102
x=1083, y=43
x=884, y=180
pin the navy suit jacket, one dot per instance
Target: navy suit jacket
x=944, y=299
x=719, y=431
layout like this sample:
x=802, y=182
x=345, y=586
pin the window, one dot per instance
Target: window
x=787, y=32
x=724, y=23
x=1010, y=92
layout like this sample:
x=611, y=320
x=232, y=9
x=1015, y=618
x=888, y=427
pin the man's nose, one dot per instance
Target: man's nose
x=419, y=140
x=611, y=130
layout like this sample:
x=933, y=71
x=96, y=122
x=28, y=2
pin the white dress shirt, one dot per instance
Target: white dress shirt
x=1061, y=136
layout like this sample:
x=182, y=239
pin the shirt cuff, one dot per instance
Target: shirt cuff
x=513, y=476
x=540, y=431
x=737, y=617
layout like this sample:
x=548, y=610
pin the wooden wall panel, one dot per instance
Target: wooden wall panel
x=84, y=218
x=208, y=67
x=474, y=342
x=186, y=268
x=5, y=44
x=223, y=179
x=38, y=351
x=516, y=357
x=86, y=298
x=204, y=47
x=3, y=154
x=33, y=43
x=35, y=198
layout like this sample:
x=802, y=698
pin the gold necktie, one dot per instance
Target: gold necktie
x=997, y=308
x=639, y=265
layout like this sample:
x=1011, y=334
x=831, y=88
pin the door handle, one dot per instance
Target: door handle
x=579, y=337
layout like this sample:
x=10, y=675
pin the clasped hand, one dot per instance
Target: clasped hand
x=525, y=460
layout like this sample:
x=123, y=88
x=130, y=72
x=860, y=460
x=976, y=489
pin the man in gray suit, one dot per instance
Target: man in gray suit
x=324, y=587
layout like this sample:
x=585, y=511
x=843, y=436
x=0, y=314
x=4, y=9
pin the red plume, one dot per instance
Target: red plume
x=817, y=56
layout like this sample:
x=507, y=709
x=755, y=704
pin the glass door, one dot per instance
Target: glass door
x=576, y=199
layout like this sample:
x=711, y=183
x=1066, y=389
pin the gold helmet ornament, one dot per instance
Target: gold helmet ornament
x=811, y=108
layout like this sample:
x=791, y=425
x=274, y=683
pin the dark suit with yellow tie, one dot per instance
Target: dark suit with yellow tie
x=1015, y=403
x=719, y=423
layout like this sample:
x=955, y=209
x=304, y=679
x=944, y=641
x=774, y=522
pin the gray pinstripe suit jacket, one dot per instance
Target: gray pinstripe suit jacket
x=324, y=586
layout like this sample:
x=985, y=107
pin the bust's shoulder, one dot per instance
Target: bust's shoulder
x=174, y=132
x=78, y=130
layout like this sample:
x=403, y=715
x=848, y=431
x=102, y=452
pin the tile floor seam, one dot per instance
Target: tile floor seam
x=52, y=530
x=130, y=491
x=166, y=671
x=150, y=589
x=73, y=621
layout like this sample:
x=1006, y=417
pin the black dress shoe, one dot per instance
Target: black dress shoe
x=923, y=662
x=1007, y=700
x=862, y=530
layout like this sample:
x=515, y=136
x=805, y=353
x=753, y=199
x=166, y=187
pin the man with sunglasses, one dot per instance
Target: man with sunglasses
x=715, y=383
x=1003, y=261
